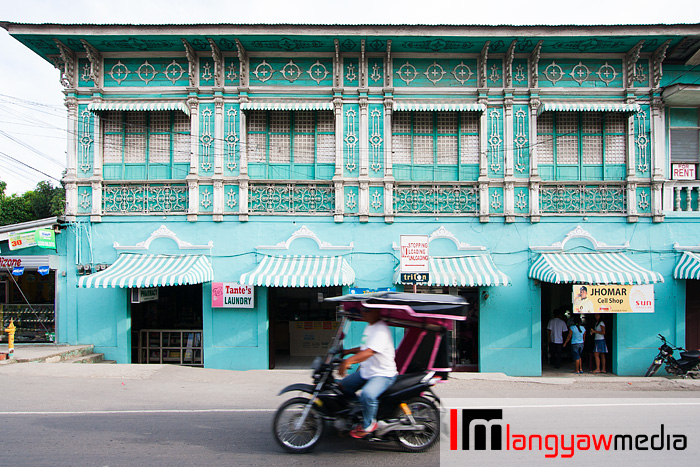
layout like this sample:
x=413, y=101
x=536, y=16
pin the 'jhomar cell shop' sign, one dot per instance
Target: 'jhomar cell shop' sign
x=613, y=298
x=231, y=295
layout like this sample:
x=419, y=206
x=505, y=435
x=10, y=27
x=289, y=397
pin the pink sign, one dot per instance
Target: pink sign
x=231, y=295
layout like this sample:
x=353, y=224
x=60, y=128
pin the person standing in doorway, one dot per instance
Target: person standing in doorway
x=599, y=348
x=577, y=336
x=556, y=327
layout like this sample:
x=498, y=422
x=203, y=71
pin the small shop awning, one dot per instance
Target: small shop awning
x=591, y=268
x=300, y=271
x=148, y=106
x=417, y=106
x=688, y=266
x=320, y=105
x=462, y=271
x=132, y=270
x=584, y=106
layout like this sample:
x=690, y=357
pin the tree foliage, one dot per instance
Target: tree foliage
x=42, y=202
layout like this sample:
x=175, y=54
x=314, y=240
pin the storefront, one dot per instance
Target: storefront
x=164, y=304
x=688, y=269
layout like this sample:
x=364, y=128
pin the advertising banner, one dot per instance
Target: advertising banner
x=43, y=238
x=231, y=295
x=613, y=298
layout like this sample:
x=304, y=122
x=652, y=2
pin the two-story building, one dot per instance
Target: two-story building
x=223, y=179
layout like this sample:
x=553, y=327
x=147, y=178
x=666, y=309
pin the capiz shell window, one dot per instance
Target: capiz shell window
x=141, y=145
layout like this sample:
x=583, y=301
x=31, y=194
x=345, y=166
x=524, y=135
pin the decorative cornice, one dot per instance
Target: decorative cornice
x=305, y=232
x=218, y=63
x=510, y=55
x=631, y=60
x=192, y=63
x=243, y=60
x=95, y=59
x=68, y=64
x=657, y=59
x=483, y=68
x=579, y=232
x=534, y=65
x=164, y=232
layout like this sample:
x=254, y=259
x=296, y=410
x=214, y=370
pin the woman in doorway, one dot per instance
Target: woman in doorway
x=577, y=335
x=599, y=349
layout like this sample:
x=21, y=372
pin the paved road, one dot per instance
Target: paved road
x=123, y=415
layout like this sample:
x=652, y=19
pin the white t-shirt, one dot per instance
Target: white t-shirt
x=558, y=327
x=377, y=337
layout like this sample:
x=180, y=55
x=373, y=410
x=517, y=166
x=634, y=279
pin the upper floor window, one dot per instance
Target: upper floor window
x=685, y=137
x=434, y=146
x=582, y=145
x=298, y=145
x=145, y=145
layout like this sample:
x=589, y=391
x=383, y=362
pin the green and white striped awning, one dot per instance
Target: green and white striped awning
x=462, y=271
x=132, y=270
x=417, y=106
x=688, y=267
x=320, y=105
x=583, y=106
x=145, y=106
x=300, y=271
x=591, y=268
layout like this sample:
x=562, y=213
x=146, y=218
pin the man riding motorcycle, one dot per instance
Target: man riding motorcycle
x=376, y=373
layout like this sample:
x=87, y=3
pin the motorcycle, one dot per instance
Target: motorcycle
x=408, y=410
x=687, y=366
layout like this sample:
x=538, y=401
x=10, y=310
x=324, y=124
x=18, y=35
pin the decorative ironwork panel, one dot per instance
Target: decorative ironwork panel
x=494, y=73
x=84, y=199
x=421, y=72
x=206, y=72
x=84, y=78
x=642, y=141
x=581, y=73
x=376, y=199
x=206, y=139
x=495, y=142
x=436, y=199
x=375, y=72
x=351, y=139
x=496, y=199
x=232, y=147
x=232, y=71
x=580, y=199
x=86, y=138
x=644, y=200
x=352, y=200
x=154, y=71
x=521, y=140
x=351, y=73
x=376, y=140
x=144, y=199
x=279, y=71
x=292, y=198
x=206, y=198
x=520, y=73
x=231, y=198
x=522, y=200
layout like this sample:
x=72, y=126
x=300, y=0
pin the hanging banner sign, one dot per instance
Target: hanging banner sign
x=18, y=270
x=613, y=298
x=43, y=238
x=231, y=295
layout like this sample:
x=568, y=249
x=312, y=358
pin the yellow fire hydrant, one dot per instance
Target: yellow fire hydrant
x=10, y=330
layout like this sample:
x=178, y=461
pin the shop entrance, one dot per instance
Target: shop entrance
x=28, y=300
x=558, y=298
x=301, y=324
x=169, y=329
x=692, y=315
x=464, y=339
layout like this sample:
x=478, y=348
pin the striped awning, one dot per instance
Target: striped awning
x=583, y=106
x=591, y=268
x=688, y=267
x=132, y=270
x=145, y=106
x=306, y=105
x=416, y=106
x=300, y=271
x=462, y=271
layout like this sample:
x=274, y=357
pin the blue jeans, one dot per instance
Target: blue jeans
x=371, y=390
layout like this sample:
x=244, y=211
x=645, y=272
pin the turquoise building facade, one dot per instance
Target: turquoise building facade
x=292, y=159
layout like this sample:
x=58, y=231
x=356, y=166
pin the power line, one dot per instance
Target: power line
x=29, y=166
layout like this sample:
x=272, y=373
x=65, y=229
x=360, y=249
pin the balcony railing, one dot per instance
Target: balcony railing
x=291, y=198
x=686, y=196
x=583, y=199
x=144, y=198
x=436, y=199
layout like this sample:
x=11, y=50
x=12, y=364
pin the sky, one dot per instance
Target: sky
x=33, y=117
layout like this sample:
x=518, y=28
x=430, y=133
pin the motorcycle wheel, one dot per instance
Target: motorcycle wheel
x=653, y=368
x=425, y=413
x=297, y=440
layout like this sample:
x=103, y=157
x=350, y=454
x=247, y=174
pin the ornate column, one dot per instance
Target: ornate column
x=218, y=133
x=70, y=179
x=388, y=161
x=658, y=151
x=96, y=214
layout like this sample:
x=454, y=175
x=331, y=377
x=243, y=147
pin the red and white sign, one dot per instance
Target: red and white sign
x=414, y=253
x=683, y=171
x=231, y=295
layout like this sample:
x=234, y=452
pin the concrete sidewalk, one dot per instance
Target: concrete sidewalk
x=48, y=353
